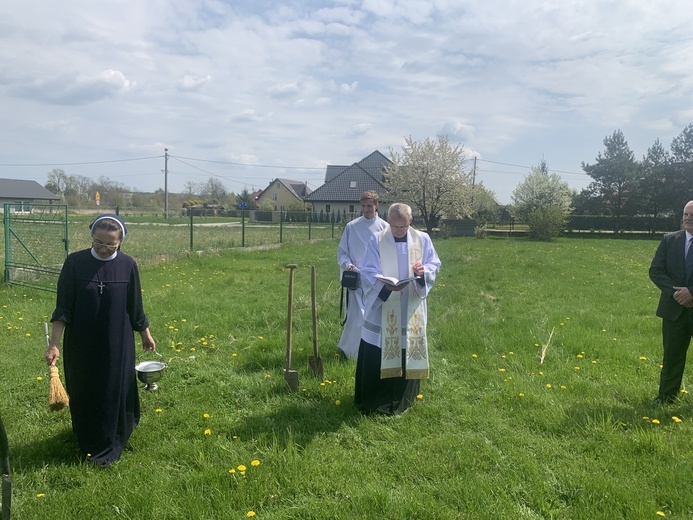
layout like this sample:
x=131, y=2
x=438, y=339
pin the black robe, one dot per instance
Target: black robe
x=101, y=304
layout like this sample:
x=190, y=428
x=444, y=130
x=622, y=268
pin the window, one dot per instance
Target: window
x=352, y=184
x=351, y=208
x=22, y=206
x=327, y=208
x=274, y=196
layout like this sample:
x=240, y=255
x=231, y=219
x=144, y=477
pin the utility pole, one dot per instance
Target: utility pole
x=165, y=183
x=473, y=182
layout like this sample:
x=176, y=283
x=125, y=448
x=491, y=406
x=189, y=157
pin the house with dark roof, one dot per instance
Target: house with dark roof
x=21, y=195
x=345, y=184
x=282, y=193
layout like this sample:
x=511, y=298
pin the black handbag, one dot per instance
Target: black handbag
x=351, y=279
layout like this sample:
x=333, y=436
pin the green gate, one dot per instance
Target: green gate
x=36, y=245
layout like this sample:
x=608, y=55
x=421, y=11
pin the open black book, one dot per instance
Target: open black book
x=394, y=281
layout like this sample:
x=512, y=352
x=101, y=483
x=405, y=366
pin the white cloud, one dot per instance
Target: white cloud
x=296, y=84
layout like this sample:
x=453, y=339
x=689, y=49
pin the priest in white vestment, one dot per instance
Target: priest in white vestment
x=393, y=353
x=352, y=247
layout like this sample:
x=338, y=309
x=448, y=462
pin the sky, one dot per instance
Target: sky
x=246, y=91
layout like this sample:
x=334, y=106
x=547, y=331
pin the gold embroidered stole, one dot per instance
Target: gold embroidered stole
x=392, y=331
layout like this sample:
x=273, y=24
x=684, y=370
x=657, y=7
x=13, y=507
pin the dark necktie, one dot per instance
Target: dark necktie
x=689, y=264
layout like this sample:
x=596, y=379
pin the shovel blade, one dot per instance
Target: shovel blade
x=291, y=378
x=315, y=364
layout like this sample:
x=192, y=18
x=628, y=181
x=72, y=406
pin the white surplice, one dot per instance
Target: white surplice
x=352, y=247
x=371, y=265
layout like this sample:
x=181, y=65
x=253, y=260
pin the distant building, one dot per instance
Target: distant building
x=345, y=184
x=282, y=193
x=22, y=195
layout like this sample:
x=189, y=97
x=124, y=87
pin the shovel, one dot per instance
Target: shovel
x=315, y=361
x=290, y=376
x=6, y=482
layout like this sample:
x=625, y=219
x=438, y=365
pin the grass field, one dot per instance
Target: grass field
x=497, y=433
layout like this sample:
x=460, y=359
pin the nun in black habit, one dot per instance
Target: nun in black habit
x=99, y=306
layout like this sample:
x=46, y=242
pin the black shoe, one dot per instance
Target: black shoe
x=663, y=400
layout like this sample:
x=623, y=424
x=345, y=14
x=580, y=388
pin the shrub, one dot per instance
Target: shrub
x=546, y=223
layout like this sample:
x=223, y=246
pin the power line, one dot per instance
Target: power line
x=81, y=163
x=252, y=165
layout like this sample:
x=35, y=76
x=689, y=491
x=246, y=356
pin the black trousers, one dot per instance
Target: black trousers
x=676, y=337
x=389, y=396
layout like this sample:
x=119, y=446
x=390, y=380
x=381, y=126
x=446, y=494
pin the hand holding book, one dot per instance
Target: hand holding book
x=391, y=280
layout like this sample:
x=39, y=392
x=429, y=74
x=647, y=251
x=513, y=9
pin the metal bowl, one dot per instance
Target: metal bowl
x=149, y=372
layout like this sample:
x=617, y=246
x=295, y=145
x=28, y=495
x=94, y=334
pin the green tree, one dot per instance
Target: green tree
x=542, y=200
x=244, y=197
x=430, y=177
x=655, y=180
x=615, y=176
x=682, y=174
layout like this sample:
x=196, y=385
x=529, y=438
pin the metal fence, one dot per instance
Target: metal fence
x=36, y=243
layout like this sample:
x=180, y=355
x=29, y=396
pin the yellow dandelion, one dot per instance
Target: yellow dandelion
x=338, y=402
x=536, y=344
x=563, y=387
x=577, y=368
x=541, y=373
x=684, y=391
x=158, y=410
x=501, y=370
x=40, y=495
x=655, y=421
x=28, y=335
x=503, y=356
x=661, y=513
x=232, y=471
x=511, y=353
x=260, y=337
x=255, y=462
x=643, y=358
x=267, y=376
x=521, y=394
x=233, y=355
x=192, y=349
x=675, y=419
x=183, y=320
x=579, y=356
x=208, y=432
x=645, y=418
x=39, y=378
x=205, y=415
x=594, y=361
x=548, y=385
x=562, y=324
x=603, y=330
x=322, y=384
x=241, y=467
x=474, y=356
x=250, y=513
x=420, y=396
x=170, y=327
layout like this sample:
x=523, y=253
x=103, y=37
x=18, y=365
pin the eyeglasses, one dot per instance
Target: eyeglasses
x=101, y=245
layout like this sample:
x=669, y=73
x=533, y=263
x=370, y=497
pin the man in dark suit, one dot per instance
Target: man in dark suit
x=672, y=271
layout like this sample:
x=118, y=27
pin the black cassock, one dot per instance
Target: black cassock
x=101, y=304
